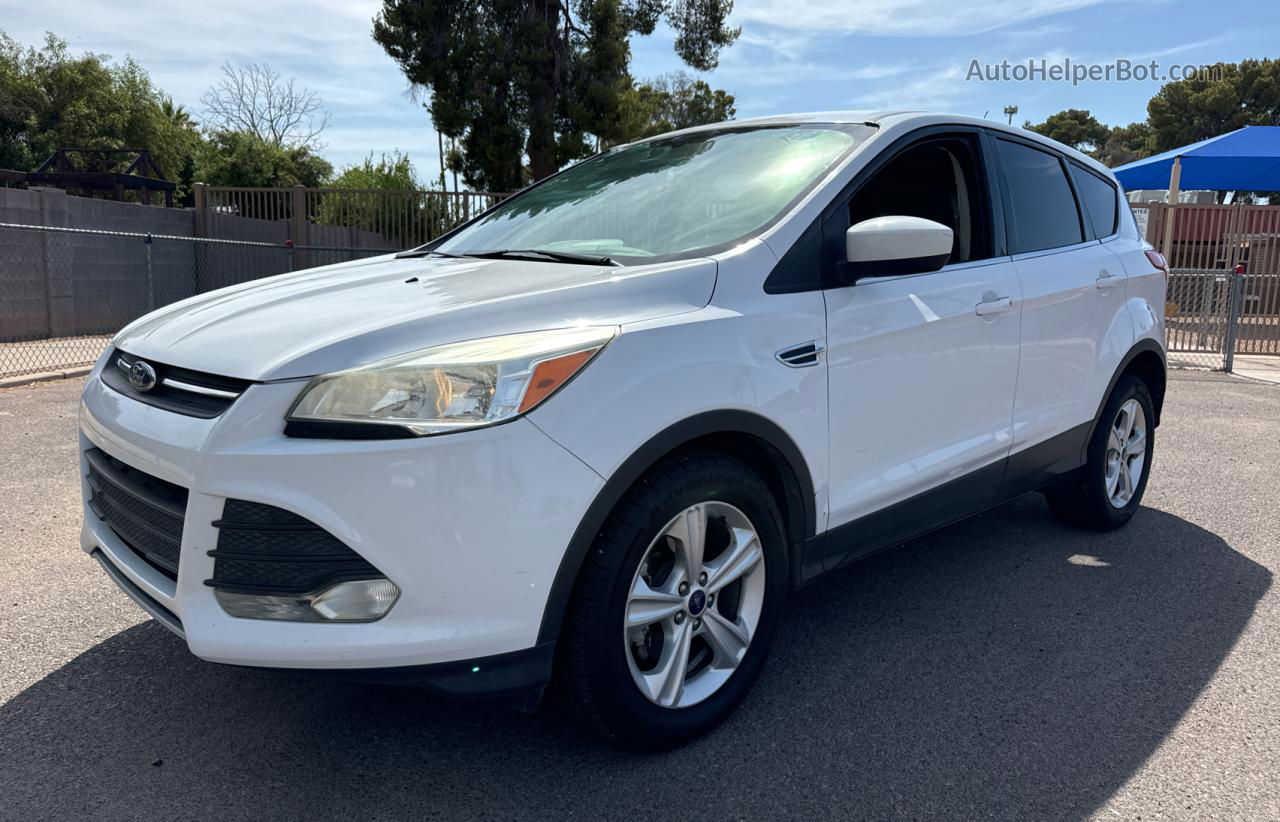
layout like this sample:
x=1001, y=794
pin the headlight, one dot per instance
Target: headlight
x=454, y=386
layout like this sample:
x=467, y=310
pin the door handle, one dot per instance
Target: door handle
x=997, y=306
x=1105, y=279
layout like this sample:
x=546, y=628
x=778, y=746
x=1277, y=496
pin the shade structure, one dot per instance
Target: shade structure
x=1247, y=159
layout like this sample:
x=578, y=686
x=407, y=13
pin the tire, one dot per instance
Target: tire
x=613, y=671
x=1090, y=498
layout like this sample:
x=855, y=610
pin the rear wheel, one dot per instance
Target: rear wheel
x=1107, y=490
x=677, y=603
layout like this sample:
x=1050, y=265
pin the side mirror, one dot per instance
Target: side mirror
x=889, y=246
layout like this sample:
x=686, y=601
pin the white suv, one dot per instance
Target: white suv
x=602, y=430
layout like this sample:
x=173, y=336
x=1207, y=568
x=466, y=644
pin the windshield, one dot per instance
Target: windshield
x=666, y=198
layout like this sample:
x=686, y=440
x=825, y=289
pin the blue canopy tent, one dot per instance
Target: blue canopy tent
x=1247, y=159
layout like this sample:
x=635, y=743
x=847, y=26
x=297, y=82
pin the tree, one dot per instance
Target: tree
x=239, y=158
x=256, y=100
x=51, y=99
x=1125, y=144
x=671, y=102
x=1074, y=127
x=391, y=173
x=510, y=78
x=1109, y=145
x=1221, y=98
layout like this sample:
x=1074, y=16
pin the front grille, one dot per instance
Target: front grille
x=145, y=512
x=180, y=390
x=267, y=550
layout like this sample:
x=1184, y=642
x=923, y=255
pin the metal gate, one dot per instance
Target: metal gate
x=1198, y=317
x=1259, y=317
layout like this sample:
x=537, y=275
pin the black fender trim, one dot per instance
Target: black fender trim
x=1142, y=346
x=661, y=444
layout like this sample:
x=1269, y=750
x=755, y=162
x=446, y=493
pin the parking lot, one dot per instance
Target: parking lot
x=1005, y=668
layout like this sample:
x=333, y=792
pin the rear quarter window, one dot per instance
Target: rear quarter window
x=1099, y=197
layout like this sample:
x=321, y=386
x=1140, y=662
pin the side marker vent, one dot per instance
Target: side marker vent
x=801, y=356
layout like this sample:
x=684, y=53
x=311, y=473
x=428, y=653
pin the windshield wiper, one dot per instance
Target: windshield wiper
x=423, y=252
x=555, y=256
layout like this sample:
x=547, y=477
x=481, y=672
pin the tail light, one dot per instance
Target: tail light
x=1162, y=265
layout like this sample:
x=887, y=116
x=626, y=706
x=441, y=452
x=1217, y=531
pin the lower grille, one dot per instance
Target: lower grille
x=267, y=550
x=145, y=512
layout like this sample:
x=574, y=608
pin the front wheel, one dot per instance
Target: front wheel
x=677, y=603
x=1106, y=491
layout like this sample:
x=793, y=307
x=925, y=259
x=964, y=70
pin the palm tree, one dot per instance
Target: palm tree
x=175, y=113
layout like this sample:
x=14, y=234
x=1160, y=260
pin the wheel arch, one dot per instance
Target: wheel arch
x=1145, y=360
x=754, y=439
x=1149, y=365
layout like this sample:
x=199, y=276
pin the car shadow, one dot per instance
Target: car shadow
x=1005, y=667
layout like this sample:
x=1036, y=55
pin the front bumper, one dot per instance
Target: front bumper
x=470, y=526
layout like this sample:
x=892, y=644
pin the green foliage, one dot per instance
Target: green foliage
x=385, y=198
x=51, y=99
x=393, y=173
x=1224, y=98
x=238, y=158
x=538, y=77
x=1109, y=145
x=1074, y=127
x=1125, y=144
x=672, y=102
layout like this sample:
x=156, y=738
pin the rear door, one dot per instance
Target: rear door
x=1074, y=322
x=922, y=367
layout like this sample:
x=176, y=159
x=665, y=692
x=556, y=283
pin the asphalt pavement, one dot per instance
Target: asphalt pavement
x=1003, y=668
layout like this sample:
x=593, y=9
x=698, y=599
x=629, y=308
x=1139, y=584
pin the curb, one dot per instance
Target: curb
x=44, y=376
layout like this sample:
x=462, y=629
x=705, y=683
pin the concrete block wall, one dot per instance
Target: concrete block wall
x=55, y=284
x=62, y=284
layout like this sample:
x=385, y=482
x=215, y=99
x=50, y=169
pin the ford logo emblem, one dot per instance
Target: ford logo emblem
x=142, y=376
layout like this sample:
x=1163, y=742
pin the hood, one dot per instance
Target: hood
x=326, y=319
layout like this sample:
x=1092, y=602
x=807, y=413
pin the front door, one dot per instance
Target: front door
x=922, y=368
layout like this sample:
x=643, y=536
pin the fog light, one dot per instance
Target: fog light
x=361, y=600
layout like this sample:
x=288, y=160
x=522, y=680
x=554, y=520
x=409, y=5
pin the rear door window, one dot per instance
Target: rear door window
x=1045, y=214
x=1099, y=198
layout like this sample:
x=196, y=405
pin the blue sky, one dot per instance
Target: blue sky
x=794, y=55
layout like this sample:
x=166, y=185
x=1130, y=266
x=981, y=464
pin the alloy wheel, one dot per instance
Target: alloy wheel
x=694, y=604
x=1126, y=453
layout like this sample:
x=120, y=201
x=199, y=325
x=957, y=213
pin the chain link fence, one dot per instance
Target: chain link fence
x=65, y=291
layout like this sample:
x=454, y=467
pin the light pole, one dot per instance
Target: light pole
x=1009, y=112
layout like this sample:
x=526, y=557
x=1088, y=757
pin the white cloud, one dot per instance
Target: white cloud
x=1020, y=37
x=927, y=18
x=936, y=88
x=1183, y=48
x=787, y=73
